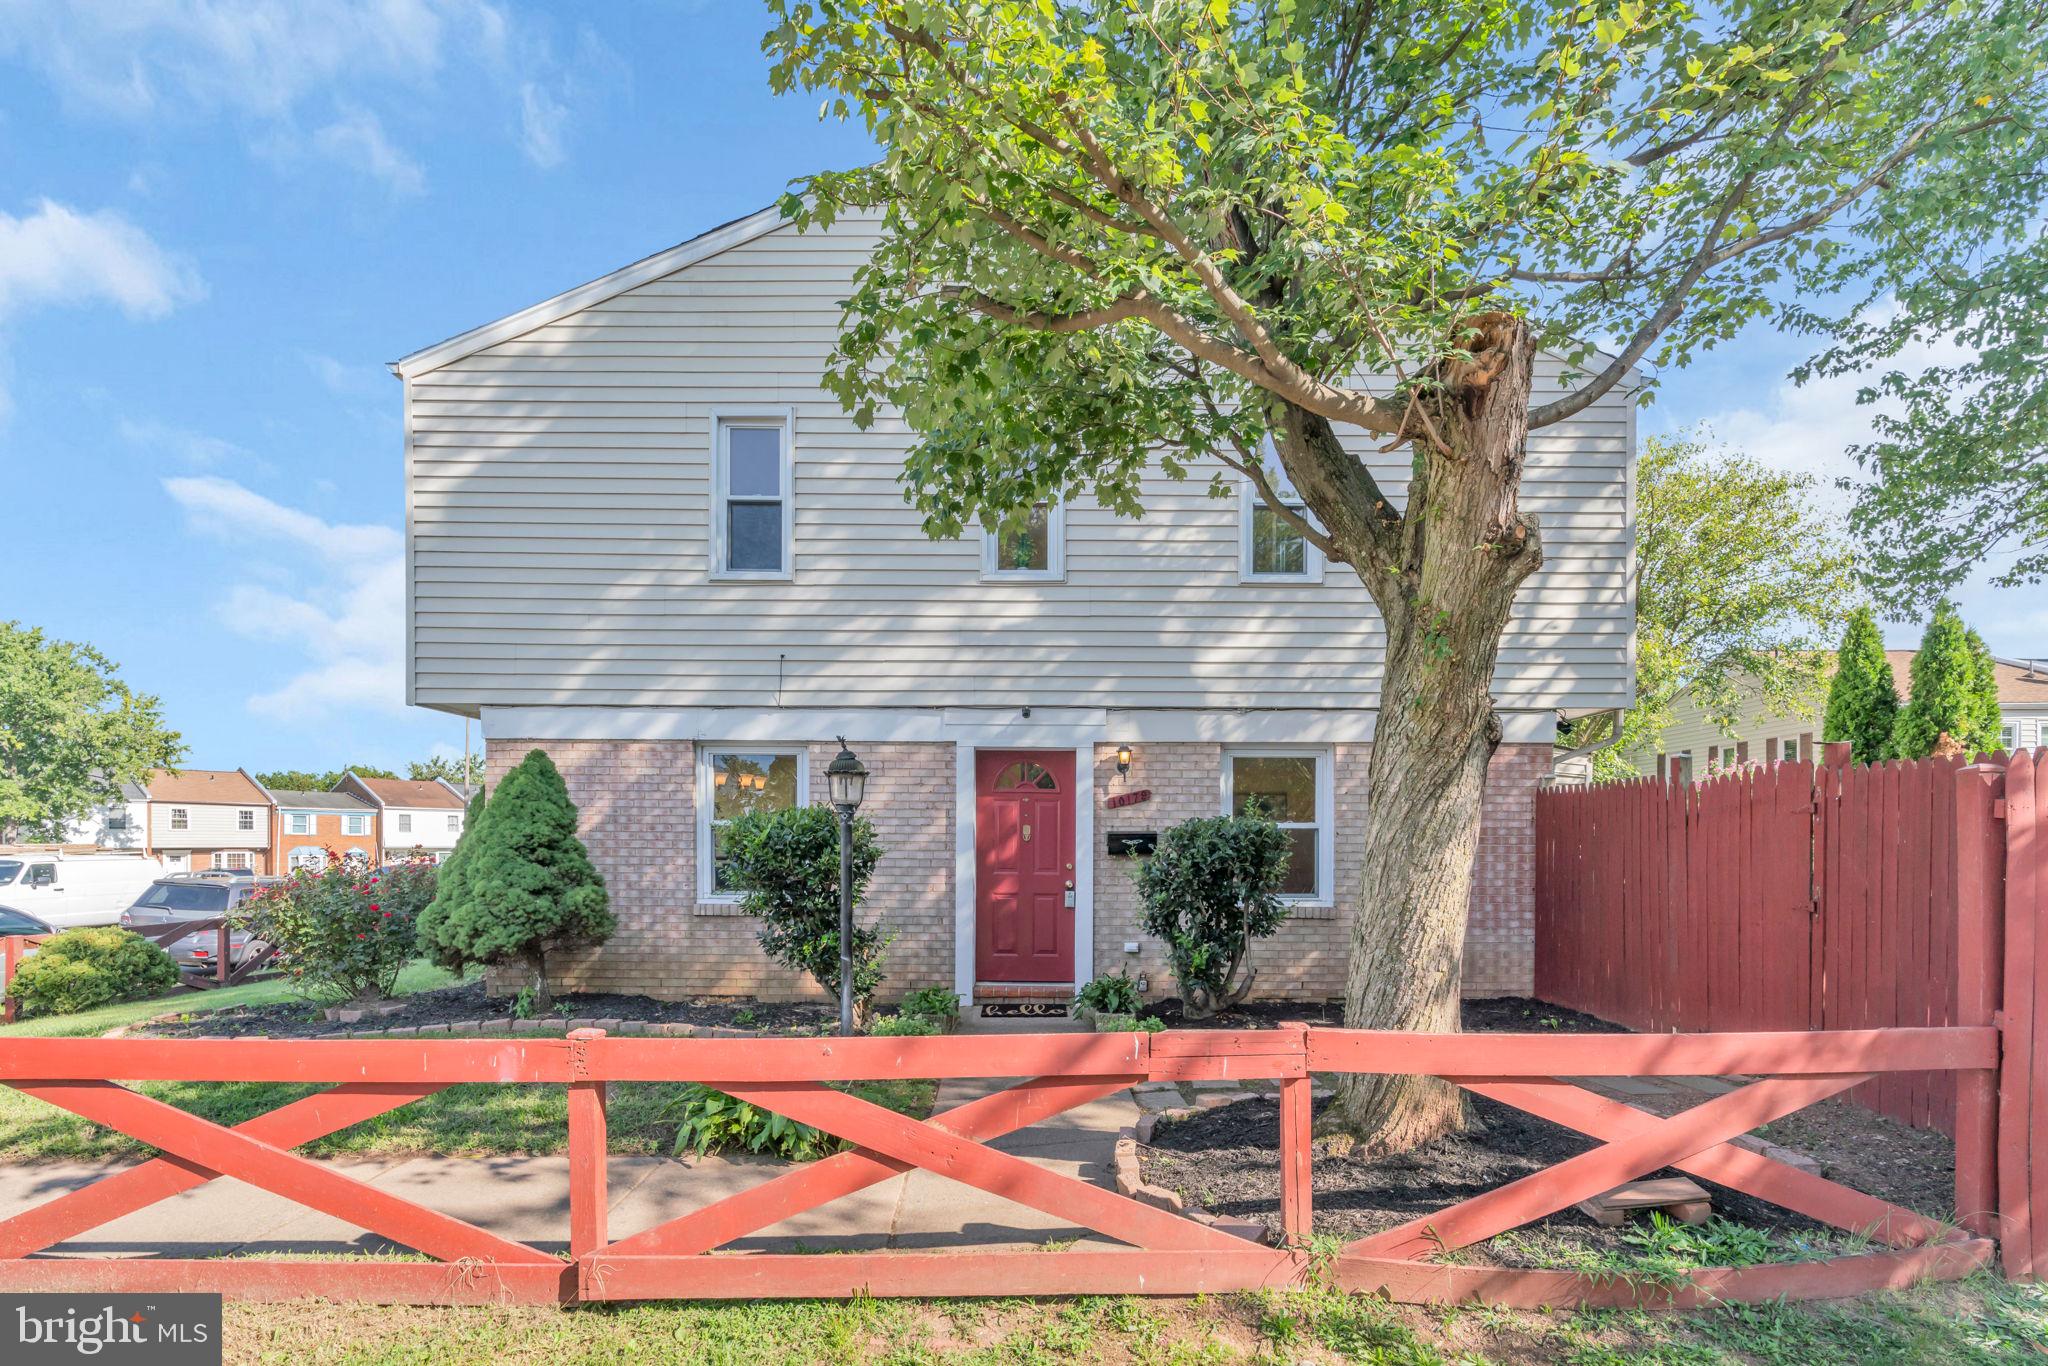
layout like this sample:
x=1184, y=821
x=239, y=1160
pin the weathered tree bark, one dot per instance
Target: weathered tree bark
x=1443, y=572
x=543, y=994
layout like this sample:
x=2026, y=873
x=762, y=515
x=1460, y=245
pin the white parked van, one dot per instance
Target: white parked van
x=69, y=890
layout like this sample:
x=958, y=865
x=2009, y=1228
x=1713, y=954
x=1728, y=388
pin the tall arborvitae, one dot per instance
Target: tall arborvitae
x=451, y=887
x=1946, y=684
x=1863, y=699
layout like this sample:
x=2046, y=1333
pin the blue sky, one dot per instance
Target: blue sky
x=217, y=222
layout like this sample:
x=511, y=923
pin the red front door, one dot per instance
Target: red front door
x=1024, y=866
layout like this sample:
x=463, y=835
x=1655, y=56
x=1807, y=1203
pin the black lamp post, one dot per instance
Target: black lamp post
x=847, y=781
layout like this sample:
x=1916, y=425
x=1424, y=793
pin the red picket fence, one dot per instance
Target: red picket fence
x=1776, y=897
x=1165, y=1253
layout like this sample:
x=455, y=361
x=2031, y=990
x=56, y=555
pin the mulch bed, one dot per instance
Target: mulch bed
x=1224, y=1160
x=1500, y=1014
x=468, y=1001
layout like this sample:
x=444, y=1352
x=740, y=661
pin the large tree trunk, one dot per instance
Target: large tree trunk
x=1444, y=578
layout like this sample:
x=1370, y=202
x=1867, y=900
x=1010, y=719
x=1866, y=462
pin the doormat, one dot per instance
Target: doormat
x=1042, y=1010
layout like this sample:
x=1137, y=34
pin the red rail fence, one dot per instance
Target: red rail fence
x=1163, y=1252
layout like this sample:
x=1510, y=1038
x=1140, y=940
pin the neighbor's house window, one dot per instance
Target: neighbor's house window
x=730, y=783
x=309, y=856
x=1293, y=788
x=181, y=819
x=1790, y=751
x=455, y=822
x=751, y=531
x=405, y=822
x=1031, y=544
x=355, y=824
x=245, y=820
x=117, y=820
x=2008, y=736
x=298, y=823
x=1271, y=550
x=230, y=858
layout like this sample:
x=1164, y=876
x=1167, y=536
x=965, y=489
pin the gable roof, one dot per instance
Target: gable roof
x=705, y=244
x=2020, y=684
x=228, y=785
x=301, y=800
x=410, y=792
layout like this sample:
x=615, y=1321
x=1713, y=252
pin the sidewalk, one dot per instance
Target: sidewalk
x=526, y=1198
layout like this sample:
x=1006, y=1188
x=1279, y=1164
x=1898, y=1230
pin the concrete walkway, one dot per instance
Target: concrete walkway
x=526, y=1198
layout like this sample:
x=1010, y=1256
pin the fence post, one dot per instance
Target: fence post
x=589, y=1142
x=10, y=956
x=1296, y=1133
x=220, y=955
x=1980, y=930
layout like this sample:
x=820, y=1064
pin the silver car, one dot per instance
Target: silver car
x=196, y=896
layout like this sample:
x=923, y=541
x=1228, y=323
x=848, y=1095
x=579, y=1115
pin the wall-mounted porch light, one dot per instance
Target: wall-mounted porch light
x=1123, y=761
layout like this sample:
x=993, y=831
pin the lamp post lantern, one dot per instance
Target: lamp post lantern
x=847, y=781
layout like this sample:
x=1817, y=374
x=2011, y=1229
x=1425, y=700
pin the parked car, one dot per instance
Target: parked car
x=13, y=922
x=69, y=890
x=196, y=896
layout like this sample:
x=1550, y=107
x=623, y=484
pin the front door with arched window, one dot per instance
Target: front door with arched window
x=1024, y=866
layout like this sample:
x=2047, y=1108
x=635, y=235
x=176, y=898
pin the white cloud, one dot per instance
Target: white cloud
x=346, y=380
x=283, y=65
x=357, y=140
x=343, y=610
x=194, y=448
x=58, y=255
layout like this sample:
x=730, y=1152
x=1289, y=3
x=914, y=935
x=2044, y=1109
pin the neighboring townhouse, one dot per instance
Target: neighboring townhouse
x=312, y=825
x=642, y=536
x=122, y=824
x=415, y=819
x=202, y=818
x=1693, y=745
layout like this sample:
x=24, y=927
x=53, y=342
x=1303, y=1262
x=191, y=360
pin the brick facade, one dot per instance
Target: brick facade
x=638, y=802
x=326, y=834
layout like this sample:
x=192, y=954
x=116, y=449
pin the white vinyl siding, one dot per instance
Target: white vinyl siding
x=562, y=514
x=206, y=827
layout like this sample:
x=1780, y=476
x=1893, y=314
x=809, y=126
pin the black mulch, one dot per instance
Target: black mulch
x=1225, y=1161
x=1501, y=1014
x=468, y=1001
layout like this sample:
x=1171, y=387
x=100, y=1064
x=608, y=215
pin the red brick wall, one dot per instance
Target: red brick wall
x=327, y=828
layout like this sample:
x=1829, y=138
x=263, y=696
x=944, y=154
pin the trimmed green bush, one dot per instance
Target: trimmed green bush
x=1128, y=1024
x=786, y=867
x=710, y=1121
x=937, y=1004
x=1952, y=675
x=80, y=969
x=1212, y=887
x=903, y=1026
x=1116, y=994
x=451, y=889
x=342, y=932
x=529, y=888
x=1863, y=699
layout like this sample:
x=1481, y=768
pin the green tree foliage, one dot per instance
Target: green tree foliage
x=1732, y=607
x=1863, y=698
x=451, y=889
x=1209, y=890
x=1947, y=695
x=310, y=780
x=1120, y=237
x=71, y=732
x=786, y=866
x=530, y=886
x=464, y=772
x=80, y=969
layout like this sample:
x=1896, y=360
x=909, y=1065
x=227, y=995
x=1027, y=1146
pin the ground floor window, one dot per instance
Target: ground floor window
x=231, y=858
x=308, y=856
x=730, y=783
x=1292, y=787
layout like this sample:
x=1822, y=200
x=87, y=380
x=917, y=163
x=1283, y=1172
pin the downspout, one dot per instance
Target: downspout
x=1613, y=740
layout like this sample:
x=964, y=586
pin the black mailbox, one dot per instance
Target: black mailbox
x=1132, y=843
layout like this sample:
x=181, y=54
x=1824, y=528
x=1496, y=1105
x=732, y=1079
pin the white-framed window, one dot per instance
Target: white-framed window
x=1269, y=549
x=181, y=819
x=405, y=822
x=117, y=820
x=454, y=823
x=1790, y=751
x=2008, y=737
x=231, y=858
x=298, y=822
x=310, y=856
x=1296, y=789
x=753, y=502
x=355, y=823
x=1031, y=544
x=731, y=781
x=245, y=819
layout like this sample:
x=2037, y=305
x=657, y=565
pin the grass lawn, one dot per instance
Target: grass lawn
x=419, y=975
x=1980, y=1322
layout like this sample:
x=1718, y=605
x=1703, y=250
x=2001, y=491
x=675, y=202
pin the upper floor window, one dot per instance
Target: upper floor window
x=298, y=823
x=455, y=822
x=1031, y=544
x=405, y=822
x=2008, y=737
x=355, y=823
x=245, y=820
x=117, y=820
x=1272, y=549
x=730, y=783
x=181, y=819
x=751, y=531
x=1293, y=788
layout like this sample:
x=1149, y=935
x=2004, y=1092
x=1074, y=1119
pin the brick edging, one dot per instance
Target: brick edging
x=1131, y=1183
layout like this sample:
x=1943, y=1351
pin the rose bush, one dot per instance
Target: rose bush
x=342, y=931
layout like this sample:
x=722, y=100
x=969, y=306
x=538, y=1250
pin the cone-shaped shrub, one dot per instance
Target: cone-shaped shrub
x=1984, y=718
x=451, y=889
x=1863, y=700
x=1948, y=682
x=531, y=886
